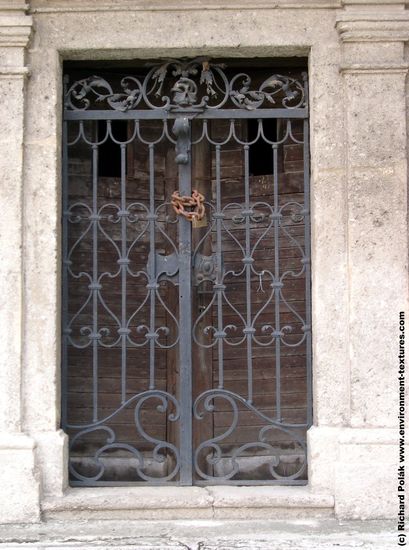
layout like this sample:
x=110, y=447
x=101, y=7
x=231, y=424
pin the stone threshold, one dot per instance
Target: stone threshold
x=157, y=503
x=307, y=534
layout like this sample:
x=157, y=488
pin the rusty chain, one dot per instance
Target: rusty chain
x=195, y=202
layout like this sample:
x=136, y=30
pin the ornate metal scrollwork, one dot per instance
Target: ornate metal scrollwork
x=160, y=448
x=196, y=85
x=212, y=448
x=246, y=295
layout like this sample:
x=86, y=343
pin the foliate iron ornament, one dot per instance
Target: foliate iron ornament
x=196, y=84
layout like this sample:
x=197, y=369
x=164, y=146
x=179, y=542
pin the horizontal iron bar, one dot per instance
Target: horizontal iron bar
x=259, y=482
x=199, y=483
x=162, y=114
x=149, y=483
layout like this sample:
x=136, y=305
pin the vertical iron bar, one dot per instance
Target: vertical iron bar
x=64, y=312
x=248, y=261
x=219, y=280
x=153, y=285
x=277, y=281
x=94, y=282
x=307, y=237
x=183, y=158
x=124, y=269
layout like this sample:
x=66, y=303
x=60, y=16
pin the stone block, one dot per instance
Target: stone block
x=20, y=489
x=366, y=475
x=52, y=458
x=322, y=448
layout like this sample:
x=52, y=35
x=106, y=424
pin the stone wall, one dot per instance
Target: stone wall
x=357, y=67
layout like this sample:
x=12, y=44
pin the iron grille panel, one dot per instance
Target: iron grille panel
x=186, y=346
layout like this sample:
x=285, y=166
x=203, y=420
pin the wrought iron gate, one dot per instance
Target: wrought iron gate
x=186, y=276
